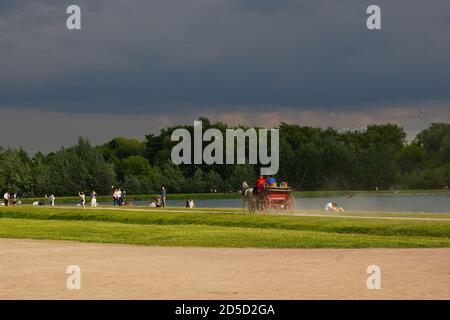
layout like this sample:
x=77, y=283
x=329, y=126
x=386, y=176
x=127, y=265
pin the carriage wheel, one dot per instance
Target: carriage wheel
x=266, y=203
x=252, y=205
x=290, y=205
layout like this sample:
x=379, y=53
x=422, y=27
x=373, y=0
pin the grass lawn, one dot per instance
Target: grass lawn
x=226, y=229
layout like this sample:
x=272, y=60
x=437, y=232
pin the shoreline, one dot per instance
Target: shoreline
x=236, y=195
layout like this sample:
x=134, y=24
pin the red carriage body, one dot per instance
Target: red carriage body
x=277, y=198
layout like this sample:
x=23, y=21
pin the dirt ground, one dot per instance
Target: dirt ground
x=34, y=269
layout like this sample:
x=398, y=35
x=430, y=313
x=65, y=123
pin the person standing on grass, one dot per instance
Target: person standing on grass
x=162, y=193
x=124, y=197
x=82, y=199
x=115, y=197
x=6, y=198
x=52, y=200
x=94, y=199
x=113, y=192
x=119, y=197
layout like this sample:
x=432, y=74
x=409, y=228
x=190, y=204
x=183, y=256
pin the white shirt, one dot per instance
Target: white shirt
x=329, y=206
x=6, y=196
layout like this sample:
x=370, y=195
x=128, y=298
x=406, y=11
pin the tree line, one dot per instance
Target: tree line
x=378, y=157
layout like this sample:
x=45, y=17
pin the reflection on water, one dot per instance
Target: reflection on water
x=390, y=203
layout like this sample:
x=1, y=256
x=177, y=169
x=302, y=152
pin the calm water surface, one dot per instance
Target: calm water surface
x=390, y=203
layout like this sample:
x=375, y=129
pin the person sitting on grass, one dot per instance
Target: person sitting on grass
x=190, y=204
x=332, y=206
x=158, y=202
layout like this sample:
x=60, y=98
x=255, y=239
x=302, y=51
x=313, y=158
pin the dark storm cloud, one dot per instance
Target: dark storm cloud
x=171, y=55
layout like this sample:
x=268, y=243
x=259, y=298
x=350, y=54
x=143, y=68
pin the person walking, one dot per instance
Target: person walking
x=82, y=199
x=162, y=193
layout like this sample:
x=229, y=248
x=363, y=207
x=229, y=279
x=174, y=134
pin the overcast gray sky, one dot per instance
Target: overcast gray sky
x=137, y=66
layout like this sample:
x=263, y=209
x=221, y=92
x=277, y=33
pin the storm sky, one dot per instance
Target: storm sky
x=137, y=66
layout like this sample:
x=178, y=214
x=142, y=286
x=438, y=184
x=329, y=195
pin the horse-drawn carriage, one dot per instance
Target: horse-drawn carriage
x=271, y=198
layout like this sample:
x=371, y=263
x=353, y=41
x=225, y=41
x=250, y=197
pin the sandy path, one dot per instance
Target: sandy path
x=36, y=269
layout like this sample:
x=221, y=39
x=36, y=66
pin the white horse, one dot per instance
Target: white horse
x=247, y=196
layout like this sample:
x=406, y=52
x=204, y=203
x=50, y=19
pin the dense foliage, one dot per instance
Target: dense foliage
x=310, y=159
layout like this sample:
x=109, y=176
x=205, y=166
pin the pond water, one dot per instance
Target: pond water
x=388, y=203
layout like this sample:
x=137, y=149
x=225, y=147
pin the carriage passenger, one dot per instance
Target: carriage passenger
x=271, y=181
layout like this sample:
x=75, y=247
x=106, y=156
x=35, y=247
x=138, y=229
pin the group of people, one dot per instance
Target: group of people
x=48, y=199
x=160, y=200
x=119, y=197
x=82, y=202
x=156, y=203
x=10, y=199
x=270, y=181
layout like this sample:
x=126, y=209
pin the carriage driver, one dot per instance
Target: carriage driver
x=258, y=190
x=260, y=184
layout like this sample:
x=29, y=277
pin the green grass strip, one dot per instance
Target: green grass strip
x=204, y=236
x=376, y=227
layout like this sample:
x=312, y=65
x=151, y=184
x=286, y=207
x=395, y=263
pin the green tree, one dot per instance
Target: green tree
x=213, y=181
x=80, y=168
x=410, y=158
x=16, y=171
